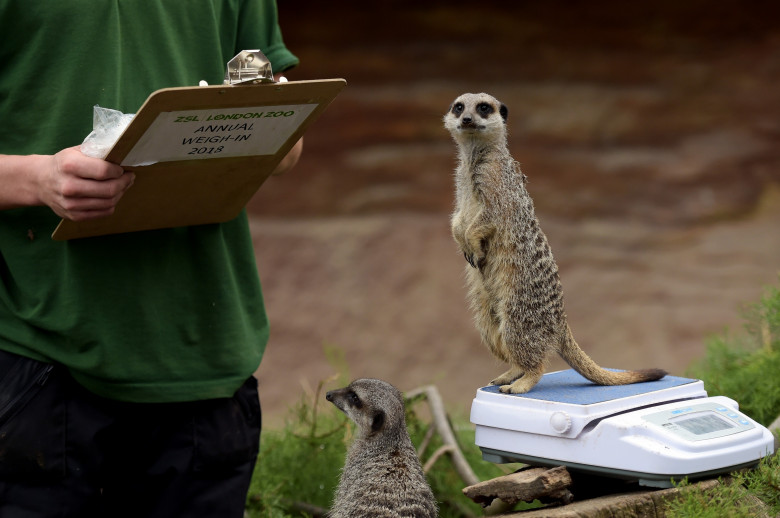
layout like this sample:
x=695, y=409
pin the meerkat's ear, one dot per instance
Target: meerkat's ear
x=378, y=422
x=504, y=111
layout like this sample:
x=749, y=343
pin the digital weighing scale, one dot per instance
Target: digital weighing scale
x=651, y=432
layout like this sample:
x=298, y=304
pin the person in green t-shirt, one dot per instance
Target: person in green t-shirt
x=126, y=361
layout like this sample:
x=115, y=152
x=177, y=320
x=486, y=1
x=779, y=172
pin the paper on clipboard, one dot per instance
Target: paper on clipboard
x=200, y=153
x=217, y=133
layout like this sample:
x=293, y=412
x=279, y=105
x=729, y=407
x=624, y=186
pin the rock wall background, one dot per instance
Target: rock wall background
x=649, y=132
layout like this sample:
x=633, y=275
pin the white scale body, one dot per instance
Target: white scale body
x=653, y=432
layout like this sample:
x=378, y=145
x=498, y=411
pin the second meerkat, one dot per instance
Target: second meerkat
x=512, y=278
x=382, y=475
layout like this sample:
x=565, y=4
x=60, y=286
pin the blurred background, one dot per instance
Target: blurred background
x=649, y=133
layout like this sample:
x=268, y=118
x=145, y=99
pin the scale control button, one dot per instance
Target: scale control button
x=744, y=421
x=561, y=422
x=722, y=409
x=733, y=415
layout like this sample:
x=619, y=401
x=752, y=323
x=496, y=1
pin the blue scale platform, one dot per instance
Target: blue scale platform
x=569, y=386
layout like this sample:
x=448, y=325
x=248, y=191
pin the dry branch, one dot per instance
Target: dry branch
x=443, y=428
x=435, y=456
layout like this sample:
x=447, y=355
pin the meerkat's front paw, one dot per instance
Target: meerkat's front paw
x=475, y=259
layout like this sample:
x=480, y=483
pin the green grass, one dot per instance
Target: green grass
x=744, y=495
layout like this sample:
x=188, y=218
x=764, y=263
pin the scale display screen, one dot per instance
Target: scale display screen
x=701, y=421
x=699, y=425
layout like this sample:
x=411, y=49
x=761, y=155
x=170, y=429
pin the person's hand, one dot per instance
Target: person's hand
x=290, y=159
x=78, y=187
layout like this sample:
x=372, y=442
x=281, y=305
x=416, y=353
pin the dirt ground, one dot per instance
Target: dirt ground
x=649, y=135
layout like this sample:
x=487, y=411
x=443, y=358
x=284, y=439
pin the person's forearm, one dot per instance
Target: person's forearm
x=18, y=180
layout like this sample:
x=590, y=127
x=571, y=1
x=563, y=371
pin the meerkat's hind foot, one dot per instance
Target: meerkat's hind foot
x=509, y=376
x=522, y=385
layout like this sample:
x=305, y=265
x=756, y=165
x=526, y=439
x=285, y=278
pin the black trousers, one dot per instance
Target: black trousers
x=66, y=452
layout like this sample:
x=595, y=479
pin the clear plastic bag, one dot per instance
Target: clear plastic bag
x=107, y=126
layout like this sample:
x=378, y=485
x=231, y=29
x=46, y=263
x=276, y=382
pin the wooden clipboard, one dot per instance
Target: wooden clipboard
x=182, y=176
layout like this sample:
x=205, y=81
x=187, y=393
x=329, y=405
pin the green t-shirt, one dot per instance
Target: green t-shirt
x=164, y=315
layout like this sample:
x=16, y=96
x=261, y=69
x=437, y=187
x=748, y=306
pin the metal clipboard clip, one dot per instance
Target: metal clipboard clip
x=249, y=67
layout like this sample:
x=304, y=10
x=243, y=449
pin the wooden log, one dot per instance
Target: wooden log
x=545, y=484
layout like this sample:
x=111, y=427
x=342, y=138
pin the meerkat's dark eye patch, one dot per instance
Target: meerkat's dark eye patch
x=457, y=109
x=354, y=400
x=485, y=109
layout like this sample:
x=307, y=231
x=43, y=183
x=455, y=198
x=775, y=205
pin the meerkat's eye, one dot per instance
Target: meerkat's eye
x=484, y=109
x=457, y=108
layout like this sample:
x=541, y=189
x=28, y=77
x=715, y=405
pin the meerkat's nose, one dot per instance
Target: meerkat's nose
x=329, y=396
x=466, y=120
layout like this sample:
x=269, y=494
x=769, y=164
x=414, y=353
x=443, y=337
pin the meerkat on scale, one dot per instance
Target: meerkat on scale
x=512, y=278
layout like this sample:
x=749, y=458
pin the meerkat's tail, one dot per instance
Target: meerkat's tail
x=581, y=362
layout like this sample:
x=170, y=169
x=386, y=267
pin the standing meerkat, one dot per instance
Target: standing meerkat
x=382, y=475
x=512, y=278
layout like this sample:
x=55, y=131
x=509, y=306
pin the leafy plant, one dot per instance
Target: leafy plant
x=300, y=463
x=746, y=368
